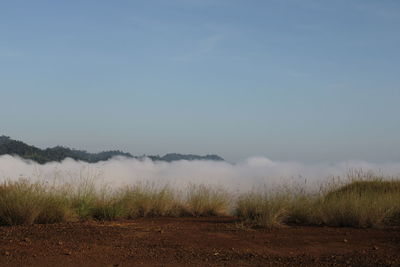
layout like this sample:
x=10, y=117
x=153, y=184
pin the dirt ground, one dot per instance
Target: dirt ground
x=195, y=242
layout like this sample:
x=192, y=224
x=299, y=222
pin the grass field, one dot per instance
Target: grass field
x=361, y=200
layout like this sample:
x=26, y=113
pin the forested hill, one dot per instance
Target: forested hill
x=174, y=157
x=59, y=153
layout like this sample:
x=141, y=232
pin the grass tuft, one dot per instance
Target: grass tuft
x=202, y=200
x=143, y=200
x=55, y=207
x=364, y=200
x=361, y=203
x=262, y=209
x=19, y=202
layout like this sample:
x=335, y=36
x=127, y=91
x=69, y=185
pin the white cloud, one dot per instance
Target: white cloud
x=256, y=172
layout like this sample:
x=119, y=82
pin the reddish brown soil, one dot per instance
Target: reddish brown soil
x=195, y=242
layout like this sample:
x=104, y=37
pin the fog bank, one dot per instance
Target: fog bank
x=251, y=173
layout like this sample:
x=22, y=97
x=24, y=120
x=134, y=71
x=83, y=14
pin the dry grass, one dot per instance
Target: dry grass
x=19, y=202
x=22, y=202
x=361, y=203
x=203, y=200
x=55, y=207
x=83, y=196
x=302, y=209
x=263, y=209
x=364, y=200
x=144, y=200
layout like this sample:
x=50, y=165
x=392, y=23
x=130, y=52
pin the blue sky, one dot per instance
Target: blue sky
x=302, y=80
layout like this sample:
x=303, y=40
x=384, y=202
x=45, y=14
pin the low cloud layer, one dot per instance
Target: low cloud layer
x=250, y=174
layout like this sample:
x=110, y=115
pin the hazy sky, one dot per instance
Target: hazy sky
x=305, y=80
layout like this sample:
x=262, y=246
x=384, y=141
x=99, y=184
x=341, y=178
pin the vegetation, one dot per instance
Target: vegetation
x=368, y=203
x=262, y=209
x=59, y=153
x=207, y=201
x=364, y=201
x=144, y=200
x=20, y=202
x=174, y=157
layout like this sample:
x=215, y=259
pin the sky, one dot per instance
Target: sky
x=291, y=80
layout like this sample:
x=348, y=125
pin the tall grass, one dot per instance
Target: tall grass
x=361, y=203
x=83, y=196
x=363, y=200
x=54, y=206
x=203, y=200
x=148, y=200
x=20, y=202
x=263, y=209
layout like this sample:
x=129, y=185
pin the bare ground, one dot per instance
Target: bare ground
x=195, y=242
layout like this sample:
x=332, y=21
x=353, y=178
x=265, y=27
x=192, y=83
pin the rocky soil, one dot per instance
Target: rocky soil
x=195, y=242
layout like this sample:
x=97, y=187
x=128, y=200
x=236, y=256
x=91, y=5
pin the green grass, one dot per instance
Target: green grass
x=363, y=200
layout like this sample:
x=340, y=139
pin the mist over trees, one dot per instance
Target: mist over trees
x=10, y=146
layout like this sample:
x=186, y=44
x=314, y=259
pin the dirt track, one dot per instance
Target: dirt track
x=195, y=241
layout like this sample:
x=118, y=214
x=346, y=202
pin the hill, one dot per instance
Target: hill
x=175, y=157
x=14, y=147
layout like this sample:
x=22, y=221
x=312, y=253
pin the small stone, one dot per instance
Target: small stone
x=68, y=253
x=60, y=243
x=345, y=240
x=375, y=248
x=27, y=239
x=7, y=253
